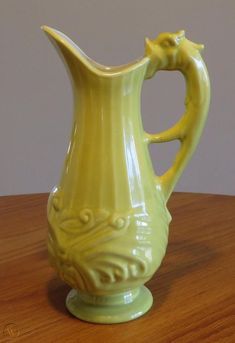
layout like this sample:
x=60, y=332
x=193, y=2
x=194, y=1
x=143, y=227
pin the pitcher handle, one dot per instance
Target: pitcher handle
x=172, y=51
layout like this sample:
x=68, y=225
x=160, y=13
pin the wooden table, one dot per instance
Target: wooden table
x=193, y=291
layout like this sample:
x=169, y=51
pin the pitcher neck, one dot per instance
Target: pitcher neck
x=100, y=96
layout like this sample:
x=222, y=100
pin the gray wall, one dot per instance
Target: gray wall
x=36, y=98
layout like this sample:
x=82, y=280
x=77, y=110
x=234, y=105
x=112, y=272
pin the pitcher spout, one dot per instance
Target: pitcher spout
x=73, y=57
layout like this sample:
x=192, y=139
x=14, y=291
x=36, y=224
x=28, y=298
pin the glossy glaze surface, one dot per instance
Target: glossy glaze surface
x=108, y=220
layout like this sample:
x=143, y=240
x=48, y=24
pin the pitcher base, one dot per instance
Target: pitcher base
x=109, y=309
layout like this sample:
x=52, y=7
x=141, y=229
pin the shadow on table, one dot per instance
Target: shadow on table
x=182, y=258
x=57, y=291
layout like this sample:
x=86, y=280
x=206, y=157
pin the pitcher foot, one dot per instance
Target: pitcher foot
x=109, y=309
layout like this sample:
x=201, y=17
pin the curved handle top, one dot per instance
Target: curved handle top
x=172, y=51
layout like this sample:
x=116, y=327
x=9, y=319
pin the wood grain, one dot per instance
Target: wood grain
x=194, y=289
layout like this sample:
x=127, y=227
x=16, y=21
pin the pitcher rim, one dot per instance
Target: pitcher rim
x=95, y=67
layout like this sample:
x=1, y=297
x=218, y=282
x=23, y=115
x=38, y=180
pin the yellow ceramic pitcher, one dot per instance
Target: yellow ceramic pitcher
x=108, y=220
